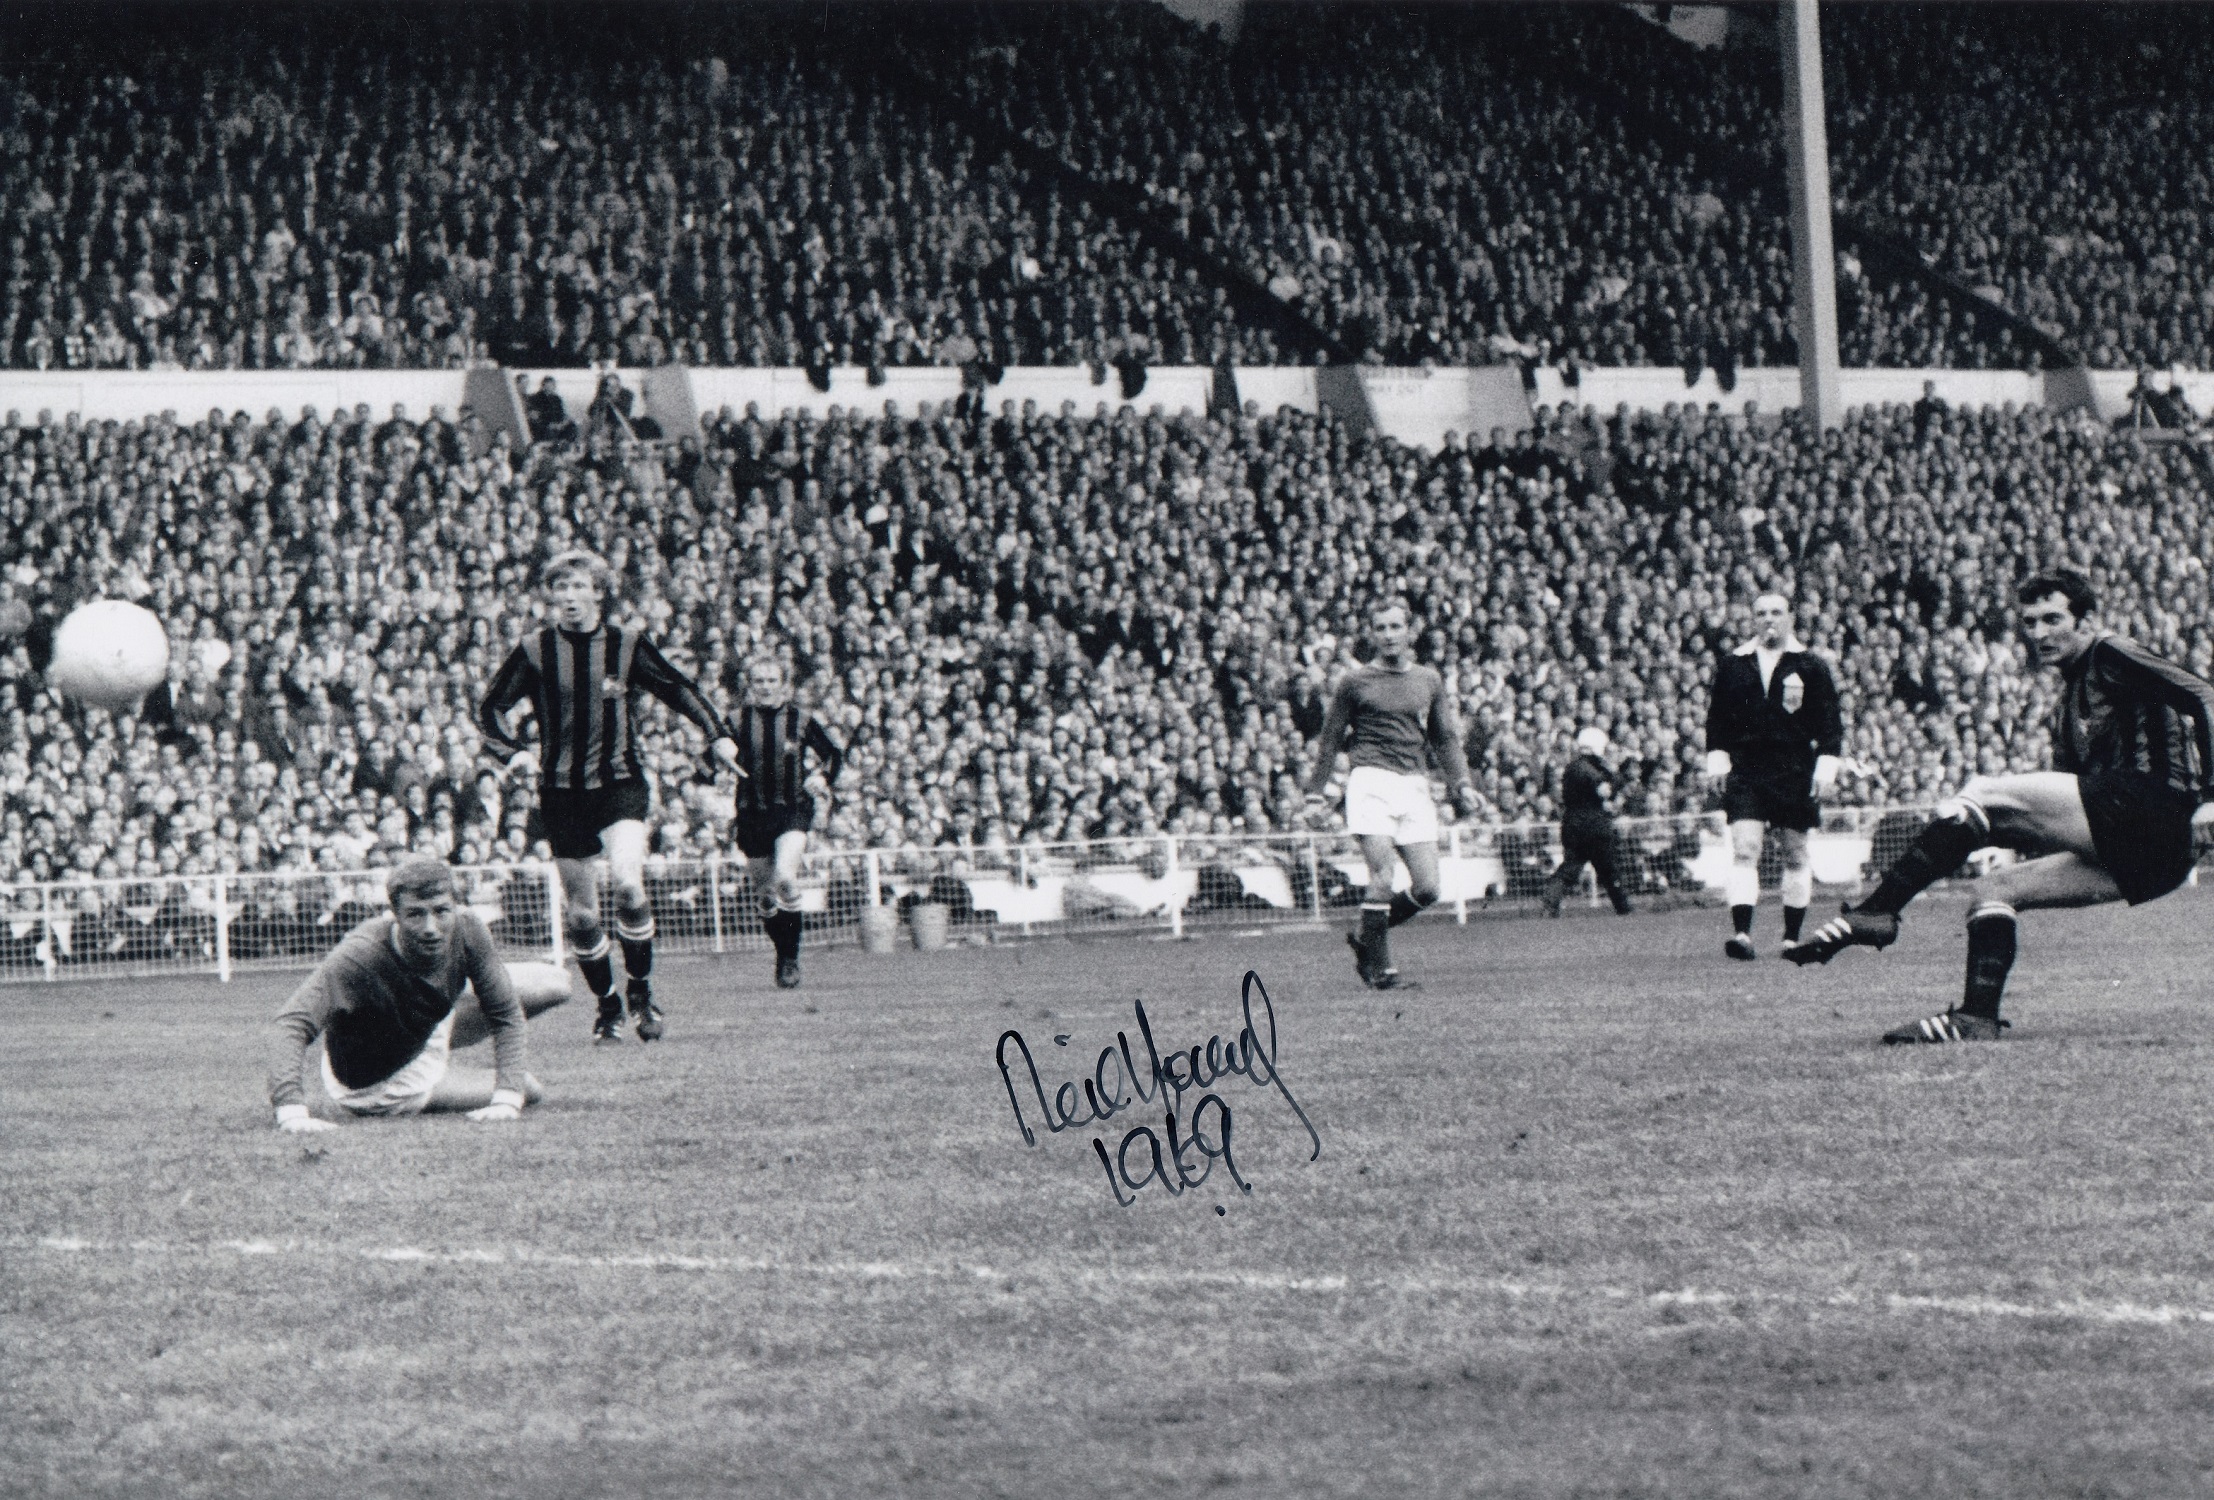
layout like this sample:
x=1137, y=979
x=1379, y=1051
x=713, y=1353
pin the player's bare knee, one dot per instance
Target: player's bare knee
x=787, y=894
x=1423, y=892
x=1971, y=805
x=582, y=927
x=631, y=905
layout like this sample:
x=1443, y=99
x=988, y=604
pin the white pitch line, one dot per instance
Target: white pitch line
x=526, y=1257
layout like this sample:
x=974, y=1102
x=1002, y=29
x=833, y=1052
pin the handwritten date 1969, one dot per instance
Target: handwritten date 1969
x=1188, y=1156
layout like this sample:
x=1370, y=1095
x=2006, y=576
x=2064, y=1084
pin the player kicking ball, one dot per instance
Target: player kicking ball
x=582, y=678
x=2133, y=746
x=1388, y=717
x=396, y=997
x=1775, y=732
x=774, y=810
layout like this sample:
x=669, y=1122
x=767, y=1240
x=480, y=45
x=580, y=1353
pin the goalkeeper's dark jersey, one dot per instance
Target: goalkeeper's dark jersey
x=582, y=685
x=2124, y=709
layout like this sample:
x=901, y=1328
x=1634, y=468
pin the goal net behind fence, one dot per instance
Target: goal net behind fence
x=221, y=925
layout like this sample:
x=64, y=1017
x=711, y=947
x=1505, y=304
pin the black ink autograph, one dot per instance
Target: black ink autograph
x=1117, y=1084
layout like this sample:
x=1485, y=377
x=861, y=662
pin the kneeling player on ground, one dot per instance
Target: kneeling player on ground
x=1397, y=713
x=774, y=810
x=2133, y=747
x=396, y=996
x=1774, y=730
x=581, y=678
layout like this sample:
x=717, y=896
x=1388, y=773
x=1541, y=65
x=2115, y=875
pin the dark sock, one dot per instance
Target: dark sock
x=1990, y=957
x=1935, y=853
x=1375, y=934
x=1404, y=906
x=1741, y=917
x=784, y=932
x=1794, y=918
x=1621, y=900
x=638, y=957
x=599, y=975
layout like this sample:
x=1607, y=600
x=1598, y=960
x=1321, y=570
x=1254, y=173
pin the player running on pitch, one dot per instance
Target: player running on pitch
x=395, y=997
x=1774, y=730
x=581, y=678
x=774, y=809
x=1396, y=711
x=2133, y=751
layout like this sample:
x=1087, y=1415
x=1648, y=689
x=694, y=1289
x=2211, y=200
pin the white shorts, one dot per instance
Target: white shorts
x=1389, y=804
x=407, y=1092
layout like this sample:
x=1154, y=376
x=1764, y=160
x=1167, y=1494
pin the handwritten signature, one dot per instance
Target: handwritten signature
x=1117, y=1083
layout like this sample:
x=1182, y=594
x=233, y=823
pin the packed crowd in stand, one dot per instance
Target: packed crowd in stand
x=558, y=187
x=1029, y=626
x=724, y=186
x=2042, y=155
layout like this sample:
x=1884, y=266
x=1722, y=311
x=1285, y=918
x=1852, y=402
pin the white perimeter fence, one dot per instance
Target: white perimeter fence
x=222, y=924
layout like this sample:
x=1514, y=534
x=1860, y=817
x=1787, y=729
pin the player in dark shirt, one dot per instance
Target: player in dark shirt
x=581, y=677
x=1774, y=730
x=2133, y=748
x=1391, y=718
x=774, y=809
x=1587, y=825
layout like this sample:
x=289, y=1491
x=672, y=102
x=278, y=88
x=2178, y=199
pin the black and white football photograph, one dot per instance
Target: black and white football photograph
x=1311, y=749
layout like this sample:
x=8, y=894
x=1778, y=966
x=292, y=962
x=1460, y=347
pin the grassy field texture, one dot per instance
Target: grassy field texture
x=1598, y=1212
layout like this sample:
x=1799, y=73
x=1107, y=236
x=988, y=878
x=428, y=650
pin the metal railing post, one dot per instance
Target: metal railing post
x=1314, y=879
x=1176, y=897
x=222, y=930
x=874, y=866
x=1460, y=876
x=715, y=899
x=53, y=937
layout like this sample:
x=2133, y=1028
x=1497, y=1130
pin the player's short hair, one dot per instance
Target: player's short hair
x=773, y=663
x=421, y=877
x=2066, y=582
x=1386, y=606
x=574, y=560
x=1776, y=594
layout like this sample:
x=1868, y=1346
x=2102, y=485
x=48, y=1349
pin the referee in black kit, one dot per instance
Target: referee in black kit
x=774, y=811
x=580, y=678
x=1774, y=729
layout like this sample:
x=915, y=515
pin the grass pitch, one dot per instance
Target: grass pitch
x=1598, y=1212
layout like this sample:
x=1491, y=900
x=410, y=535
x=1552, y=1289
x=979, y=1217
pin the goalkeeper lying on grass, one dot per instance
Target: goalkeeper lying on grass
x=396, y=996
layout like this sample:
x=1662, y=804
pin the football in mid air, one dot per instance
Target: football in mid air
x=109, y=654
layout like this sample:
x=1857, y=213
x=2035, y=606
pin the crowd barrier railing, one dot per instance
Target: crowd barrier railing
x=1169, y=885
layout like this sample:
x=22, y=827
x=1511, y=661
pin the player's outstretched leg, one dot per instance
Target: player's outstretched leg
x=1960, y=828
x=637, y=939
x=625, y=843
x=786, y=926
x=1798, y=888
x=1990, y=958
x=580, y=889
x=538, y=987
x=1742, y=885
x=1557, y=885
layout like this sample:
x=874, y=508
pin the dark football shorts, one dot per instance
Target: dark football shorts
x=758, y=828
x=572, y=821
x=1785, y=801
x=2141, y=827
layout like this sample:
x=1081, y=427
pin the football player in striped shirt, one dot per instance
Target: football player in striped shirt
x=1391, y=718
x=774, y=809
x=2115, y=819
x=581, y=677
